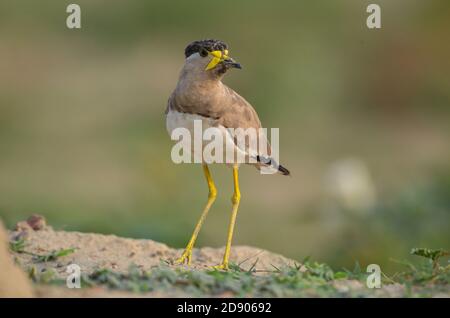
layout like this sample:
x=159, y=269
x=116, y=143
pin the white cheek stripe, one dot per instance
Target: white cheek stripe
x=193, y=57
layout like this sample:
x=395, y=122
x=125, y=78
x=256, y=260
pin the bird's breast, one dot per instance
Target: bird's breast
x=176, y=119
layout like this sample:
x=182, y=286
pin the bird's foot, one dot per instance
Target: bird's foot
x=184, y=258
x=221, y=267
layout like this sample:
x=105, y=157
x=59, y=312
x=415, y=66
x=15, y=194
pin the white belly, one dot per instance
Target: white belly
x=176, y=120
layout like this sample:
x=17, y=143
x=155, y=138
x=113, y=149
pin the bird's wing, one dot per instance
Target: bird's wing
x=240, y=114
x=230, y=110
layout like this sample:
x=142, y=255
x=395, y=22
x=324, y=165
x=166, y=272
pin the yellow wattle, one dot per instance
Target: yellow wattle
x=218, y=56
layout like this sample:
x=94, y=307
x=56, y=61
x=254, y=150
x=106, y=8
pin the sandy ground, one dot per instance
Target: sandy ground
x=97, y=251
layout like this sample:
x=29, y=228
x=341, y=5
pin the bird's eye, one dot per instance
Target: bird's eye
x=203, y=52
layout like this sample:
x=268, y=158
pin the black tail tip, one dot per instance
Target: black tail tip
x=283, y=171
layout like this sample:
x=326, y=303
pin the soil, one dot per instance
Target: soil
x=94, y=252
x=98, y=251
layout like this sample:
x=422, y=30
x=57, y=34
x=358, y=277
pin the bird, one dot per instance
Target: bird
x=201, y=95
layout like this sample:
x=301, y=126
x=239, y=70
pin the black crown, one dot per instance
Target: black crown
x=209, y=44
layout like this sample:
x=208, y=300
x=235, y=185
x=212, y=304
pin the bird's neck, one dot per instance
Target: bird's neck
x=191, y=81
x=195, y=74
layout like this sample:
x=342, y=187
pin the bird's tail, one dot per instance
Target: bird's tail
x=272, y=164
x=283, y=171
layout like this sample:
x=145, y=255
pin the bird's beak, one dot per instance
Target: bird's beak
x=230, y=63
x=222, y=57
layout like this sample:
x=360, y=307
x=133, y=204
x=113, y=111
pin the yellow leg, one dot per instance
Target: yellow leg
x=235, y=200
x=187, y=254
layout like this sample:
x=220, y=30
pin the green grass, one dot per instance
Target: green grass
x=19, y=245
x=312, y=279
x=427, y=276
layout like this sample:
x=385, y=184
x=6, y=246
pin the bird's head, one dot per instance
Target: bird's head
x=209, y=56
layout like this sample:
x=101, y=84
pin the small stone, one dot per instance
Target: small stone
x=33, y=223
x=37, y=222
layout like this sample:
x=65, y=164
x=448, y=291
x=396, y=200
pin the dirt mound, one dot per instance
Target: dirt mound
x=97, y=251
x=122, y=267
x=93, y=252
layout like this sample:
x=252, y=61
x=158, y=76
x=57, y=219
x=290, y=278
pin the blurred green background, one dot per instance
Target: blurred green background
x=364, y=122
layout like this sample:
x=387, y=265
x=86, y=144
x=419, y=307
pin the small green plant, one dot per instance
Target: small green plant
x=44, y=276
x=53, y=255
x=427, y=274
x=433, y=255
x=17, y=246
